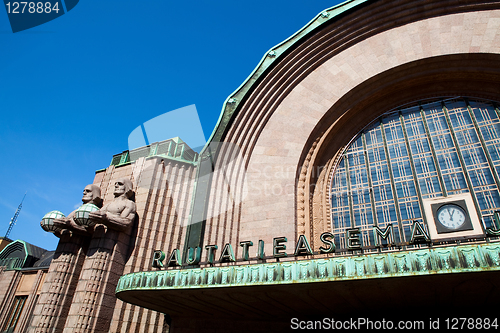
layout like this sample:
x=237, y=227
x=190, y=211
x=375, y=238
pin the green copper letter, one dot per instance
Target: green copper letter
x=158, y=257
x=227, y=254
x=260, y=253
x=418, y=233
x=175, y=258
x=278, y=246
x=326, y=239
x=211, y=253
x=387, y=234
x=353, y=240
x=245, y=245
x=303, y=247
x=495, y=230
x=194, y=256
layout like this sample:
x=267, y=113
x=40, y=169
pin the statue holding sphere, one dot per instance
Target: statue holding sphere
x=78, y=221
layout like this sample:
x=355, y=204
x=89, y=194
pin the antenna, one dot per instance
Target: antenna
x=14, y=219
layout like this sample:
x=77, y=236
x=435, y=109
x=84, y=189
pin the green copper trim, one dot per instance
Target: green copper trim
x=171, y=149
x=232, y=103
x=31, y=254
x=442, y=260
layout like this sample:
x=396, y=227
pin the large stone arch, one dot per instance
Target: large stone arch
x=473, y=75
x=354, y=61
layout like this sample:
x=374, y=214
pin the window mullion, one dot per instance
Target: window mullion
x=370, y=184
x=433, y=151
x=461, y=159
x=483, y=145
x=349, y=191
x=412, y=165
x=393, y=183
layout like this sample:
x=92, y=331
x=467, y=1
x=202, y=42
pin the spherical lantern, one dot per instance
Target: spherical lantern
x=82, y=215
x=48, y=221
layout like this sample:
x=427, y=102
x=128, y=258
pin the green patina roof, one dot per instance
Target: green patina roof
x=20, y=254
x=173, y=149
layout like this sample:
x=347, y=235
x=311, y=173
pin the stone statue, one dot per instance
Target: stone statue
x=120, y=213
x=63, y=275
x=91, y=194
x=107, y=253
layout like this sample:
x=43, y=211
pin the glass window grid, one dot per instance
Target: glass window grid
x=424, y=162
x=480, y=166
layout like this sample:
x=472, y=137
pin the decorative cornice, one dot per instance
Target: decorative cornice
x=442, y=260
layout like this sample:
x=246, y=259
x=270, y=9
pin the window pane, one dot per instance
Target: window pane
x=429, y=150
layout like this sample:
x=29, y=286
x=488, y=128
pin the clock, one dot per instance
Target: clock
x=451, y=217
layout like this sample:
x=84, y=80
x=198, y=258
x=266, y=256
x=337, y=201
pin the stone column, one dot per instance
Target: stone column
x=95, y=299
x=56, y=296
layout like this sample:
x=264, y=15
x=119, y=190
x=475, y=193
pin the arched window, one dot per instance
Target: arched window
x=438, y=148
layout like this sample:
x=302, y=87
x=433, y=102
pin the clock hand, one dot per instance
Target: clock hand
x=451, y=215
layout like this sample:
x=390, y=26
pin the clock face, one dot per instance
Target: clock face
x=451, y=216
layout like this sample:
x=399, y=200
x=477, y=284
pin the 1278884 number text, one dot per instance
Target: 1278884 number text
x=32, y=7
x=471, y=323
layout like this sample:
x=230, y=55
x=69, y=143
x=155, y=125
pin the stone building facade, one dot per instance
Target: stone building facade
x=355, y=173
x=23, y=269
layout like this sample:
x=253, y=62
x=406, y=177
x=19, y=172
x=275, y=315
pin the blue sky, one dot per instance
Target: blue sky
x=73, y=89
